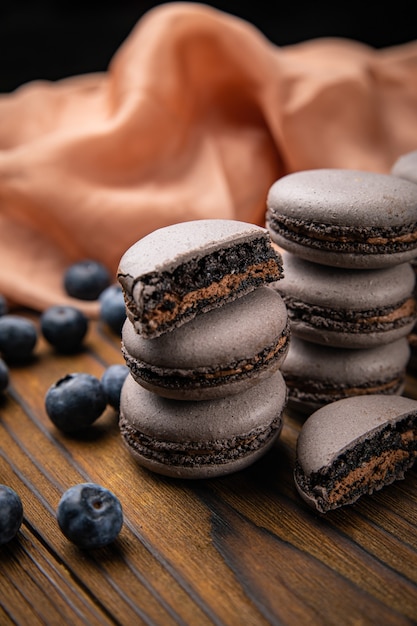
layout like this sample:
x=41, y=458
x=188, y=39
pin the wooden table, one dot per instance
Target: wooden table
x=238, y=550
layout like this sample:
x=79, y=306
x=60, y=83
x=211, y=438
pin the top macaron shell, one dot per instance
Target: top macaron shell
x=165, y=248
x=344, y=218
x=334, y=428
x=353, y=306
x=218, y=353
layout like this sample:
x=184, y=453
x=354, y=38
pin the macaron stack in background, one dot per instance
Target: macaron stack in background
x=347, y=240
x=406, y=167
x=204, y=340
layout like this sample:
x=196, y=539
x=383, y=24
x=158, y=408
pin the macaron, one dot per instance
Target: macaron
x=316, y=375
x=406, y=166
x=201, y=439
x=179, y=271
x=348, y=308
x=219, y=353
x=354, y=447
x=344, y=218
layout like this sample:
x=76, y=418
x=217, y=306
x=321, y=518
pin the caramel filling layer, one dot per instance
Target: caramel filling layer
x=317, y=234
x=351, y=321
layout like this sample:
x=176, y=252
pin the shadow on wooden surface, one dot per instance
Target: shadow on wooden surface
x=241, y=549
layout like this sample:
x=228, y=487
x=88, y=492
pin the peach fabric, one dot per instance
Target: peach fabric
x=196, y=116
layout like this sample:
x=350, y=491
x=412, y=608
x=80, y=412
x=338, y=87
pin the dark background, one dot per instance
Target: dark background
x=55, y=39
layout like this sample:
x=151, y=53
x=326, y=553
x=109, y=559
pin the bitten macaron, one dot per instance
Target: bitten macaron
x=316, y=375
x=354, y=447
x=222, y=352
x=179, y=271
x=201, y=439
x=348, y=308
x=344, y=218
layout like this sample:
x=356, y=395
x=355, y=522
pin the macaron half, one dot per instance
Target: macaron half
x=348, y=308
x=201, y=439
x=344, y=218
x=178, y=271
x=219, y=353
x=353, y=447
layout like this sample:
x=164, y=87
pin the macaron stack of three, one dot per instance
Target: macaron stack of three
x=204, y=339
x=347, y=239
x=406, y=167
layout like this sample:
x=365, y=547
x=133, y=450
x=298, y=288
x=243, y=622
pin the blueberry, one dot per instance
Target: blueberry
x=112, y=380
x=75, y=401
x=18, y=337
x=64, y=327
x=90, y=515
x=86, y=279
x=113, y=308
x=4, y=376
x=3, y=305
x=11, y=513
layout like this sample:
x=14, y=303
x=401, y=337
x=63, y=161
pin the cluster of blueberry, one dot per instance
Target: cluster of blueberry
x=88, y=514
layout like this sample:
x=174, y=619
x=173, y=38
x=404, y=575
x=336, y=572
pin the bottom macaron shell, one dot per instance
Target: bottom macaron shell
x=201, y=439
x=316, y=375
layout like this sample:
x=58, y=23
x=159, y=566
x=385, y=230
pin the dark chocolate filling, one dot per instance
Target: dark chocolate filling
x=224, y=274
x=205, y=377
x=377, y=319
x=341, y=238
x=364, y=468
x=192, y=453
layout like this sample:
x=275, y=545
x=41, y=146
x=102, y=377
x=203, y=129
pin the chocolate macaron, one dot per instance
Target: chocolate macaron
x=316, y=375
x=406, y=166
x=348, y=308
x=354, y=447
x=205, y=438
x=222, y=352
x=344, y=218
x=179, y=271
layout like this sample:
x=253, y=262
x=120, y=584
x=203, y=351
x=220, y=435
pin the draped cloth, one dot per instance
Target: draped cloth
x=197, y=114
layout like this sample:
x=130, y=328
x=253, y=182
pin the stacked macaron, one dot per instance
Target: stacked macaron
x=406, y=167
x=204, y=339
x=347, y=238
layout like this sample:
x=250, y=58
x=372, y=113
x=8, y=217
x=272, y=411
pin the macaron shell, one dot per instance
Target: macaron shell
x=343, y=197
x=208, y=426
x=165, y=248
x=338, y=366
x=332, y=429
x=342, y=288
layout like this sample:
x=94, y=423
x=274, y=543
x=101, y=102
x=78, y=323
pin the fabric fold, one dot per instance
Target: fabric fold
x=196, y=116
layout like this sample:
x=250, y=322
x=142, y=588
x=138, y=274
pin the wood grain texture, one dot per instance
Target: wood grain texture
x=241, y=549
